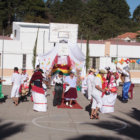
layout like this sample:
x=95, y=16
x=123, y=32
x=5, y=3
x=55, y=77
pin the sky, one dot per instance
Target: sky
x=133, y=4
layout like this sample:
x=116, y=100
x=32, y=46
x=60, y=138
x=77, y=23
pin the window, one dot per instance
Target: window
x=94, y=62
x=15, y=33
x=113, y=58
x=134, y=66
x=24, y=61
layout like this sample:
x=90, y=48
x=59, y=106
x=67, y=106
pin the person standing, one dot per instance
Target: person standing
x=109, y=98
x=24, y=86
x=16, y=83
x=24, y=76
x=71, y=92
x=127, y=83
x=58, y=89
x=90, y=82
x=38, y=94
x=96, y=95
x=36, y=70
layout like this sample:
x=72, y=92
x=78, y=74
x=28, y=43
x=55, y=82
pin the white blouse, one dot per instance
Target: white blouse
x=71, y=81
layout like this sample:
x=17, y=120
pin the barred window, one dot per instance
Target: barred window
x=95, y=62
x=15, y=33
x=113, y=58
x=24, y=61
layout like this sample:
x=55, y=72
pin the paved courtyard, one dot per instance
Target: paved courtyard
x=22, y=123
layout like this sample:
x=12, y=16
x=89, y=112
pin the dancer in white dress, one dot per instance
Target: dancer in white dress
x=109, y=99
x=90, y=80
x=39, y=99
x=16, y=82
x=96, y=95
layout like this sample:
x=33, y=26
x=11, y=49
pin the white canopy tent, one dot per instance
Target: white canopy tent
x=46, y=61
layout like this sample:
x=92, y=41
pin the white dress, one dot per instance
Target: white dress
x=96, y=94
x=109, y=100
x=108, y=103
x=84, y=86
x=16, y=80
x=39, y=99
x=90, y=83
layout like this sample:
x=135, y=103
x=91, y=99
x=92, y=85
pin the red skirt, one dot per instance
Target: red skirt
x=71, y=93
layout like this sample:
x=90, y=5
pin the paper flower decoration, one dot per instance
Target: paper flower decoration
x=122, y=61
x=138, y=61
x=133, y=61
x=127, y=61
x=115, y=61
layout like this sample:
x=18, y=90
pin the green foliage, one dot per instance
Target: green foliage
x=100, y=19
x=136, y=15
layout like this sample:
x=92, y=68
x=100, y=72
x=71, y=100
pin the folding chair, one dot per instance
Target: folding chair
x=131, y=90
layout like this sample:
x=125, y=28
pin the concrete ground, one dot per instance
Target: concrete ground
x=22, y=123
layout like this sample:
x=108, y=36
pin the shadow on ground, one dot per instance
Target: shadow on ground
x=88, y=109
x=132, y=130
x=9, y=129
x=91, y=137
x=3, y=100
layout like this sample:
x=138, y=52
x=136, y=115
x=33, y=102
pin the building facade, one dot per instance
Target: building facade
x=17, y=50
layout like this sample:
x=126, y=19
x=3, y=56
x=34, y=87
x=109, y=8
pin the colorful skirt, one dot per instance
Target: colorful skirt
x=108, y=103
x=71, y=94
x=39, y=99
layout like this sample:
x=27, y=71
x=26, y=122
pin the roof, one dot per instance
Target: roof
x=34, y=25
x=113, y=42
x=5, y=38
x=128, y=34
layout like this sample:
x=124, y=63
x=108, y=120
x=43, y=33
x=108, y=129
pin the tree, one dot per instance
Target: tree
x=136, y=15
x=2, y=15
x=33, y=10
x=67, y=11
x=105, y=18
x=34, y=51
x=21, y=10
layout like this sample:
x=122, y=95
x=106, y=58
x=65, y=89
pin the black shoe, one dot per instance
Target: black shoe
x=124, y=101
x=59, y=104
x=54, y=104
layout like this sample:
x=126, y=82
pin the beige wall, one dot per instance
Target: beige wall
x=135, y=74
x=9, y=72
x=107, y=49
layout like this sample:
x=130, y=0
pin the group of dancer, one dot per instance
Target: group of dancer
x=22, y=87
x=67, y=85
x=102, y=90
x=37, y=86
